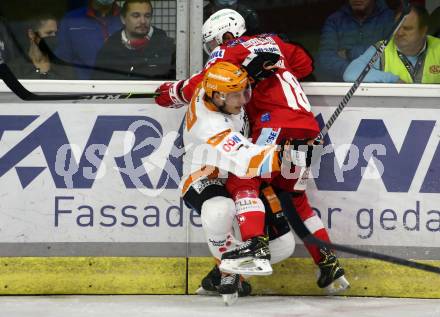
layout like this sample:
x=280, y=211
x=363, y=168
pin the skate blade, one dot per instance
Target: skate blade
x=230, y=299
x=203, y=292
x=247, y=266
x=337, y=286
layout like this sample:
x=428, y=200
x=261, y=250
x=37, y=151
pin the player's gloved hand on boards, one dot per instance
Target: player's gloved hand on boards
x=297, y=152
x=169, y=95
x=261, y=65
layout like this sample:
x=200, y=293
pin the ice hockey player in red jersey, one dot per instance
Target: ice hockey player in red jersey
x=279, y=111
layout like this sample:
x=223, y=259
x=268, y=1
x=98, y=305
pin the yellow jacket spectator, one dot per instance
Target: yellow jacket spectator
x=411, y=56
x=426, y=66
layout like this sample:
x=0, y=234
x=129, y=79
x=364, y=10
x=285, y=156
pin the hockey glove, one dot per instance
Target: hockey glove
x=261, y=65
x=298, y=152
x=169, y=95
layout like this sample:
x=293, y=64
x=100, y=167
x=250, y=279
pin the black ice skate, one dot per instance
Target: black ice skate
x=244, y=288
x=249, y=258
x=228, y=288
x=331, y=274
x=211, y=282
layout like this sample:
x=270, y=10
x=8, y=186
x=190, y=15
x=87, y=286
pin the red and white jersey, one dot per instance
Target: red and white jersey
x=278, y=101
x=214, y=146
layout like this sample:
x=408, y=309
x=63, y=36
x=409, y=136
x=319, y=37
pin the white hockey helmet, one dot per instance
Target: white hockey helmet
x=219, y=23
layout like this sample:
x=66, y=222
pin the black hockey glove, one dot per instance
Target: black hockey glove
x=259, y=65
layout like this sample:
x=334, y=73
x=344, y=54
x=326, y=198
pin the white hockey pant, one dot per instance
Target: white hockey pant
x=218, y=218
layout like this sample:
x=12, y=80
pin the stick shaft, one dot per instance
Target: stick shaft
x=17, y=88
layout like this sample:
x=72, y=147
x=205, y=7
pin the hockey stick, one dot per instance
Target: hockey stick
x=301, y=230
x=17, y=88
x=358, y=81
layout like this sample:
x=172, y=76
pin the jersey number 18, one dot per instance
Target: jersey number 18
x=293, y=91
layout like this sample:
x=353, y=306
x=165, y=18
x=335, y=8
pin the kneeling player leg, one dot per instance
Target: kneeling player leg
x=217, y=211
x=217, y=216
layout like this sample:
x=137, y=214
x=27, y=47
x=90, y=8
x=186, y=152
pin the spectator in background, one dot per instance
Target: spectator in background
x=7, y=48
x=249, y=15
x=139, y=50
x=348, y=32
x=434, y=23
x=40, y=60
x=410, y=57
x=83, y=32
x=75, y=4
x=397, y=5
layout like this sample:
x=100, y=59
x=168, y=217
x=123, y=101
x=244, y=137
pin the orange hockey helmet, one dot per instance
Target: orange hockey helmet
x=225, y=78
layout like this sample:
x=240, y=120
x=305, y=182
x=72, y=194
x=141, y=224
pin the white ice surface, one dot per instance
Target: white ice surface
x=255, y=306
